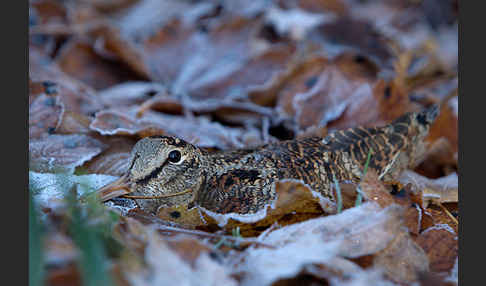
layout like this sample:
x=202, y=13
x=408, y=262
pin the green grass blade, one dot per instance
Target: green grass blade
x=339, y=196
x=359, y=197
x=36, y=255
x=93, y=259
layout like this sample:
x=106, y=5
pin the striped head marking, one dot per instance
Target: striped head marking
x=163, y=171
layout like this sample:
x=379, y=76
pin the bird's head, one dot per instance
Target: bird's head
x=164, y=171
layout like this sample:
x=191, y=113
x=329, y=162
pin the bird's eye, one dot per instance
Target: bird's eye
x=174, y=156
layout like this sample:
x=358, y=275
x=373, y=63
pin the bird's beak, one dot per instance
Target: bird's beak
x=114, y=189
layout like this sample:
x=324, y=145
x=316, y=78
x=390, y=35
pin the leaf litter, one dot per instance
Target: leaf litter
x=233, y=74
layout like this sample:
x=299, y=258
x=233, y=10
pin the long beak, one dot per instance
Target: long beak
x=114, y=189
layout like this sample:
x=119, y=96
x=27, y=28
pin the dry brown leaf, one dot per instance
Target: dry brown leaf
x=326, y=97
x=229, y=61
x=62, y=153
x=59, y=250
x=45, y=113
x=197, y=130
x=438, y=216
x=73, y=123
x=441, y=190
x=348, y=33
x=48, y=11
x=165, y=267
x=130, y=93
x=446, y=124
x=76, y=96
x=79, y=59
x=403, y=260
x=355, y=232
x=386, y=102
x=115, y=160
x=374, y=190
x=440, y=242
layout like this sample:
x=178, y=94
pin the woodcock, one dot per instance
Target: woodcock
x=167, y=171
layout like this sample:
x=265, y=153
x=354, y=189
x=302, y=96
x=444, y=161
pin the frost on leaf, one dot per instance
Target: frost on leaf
x=166, y=267
x=353, y=233
x=62, y=153
x=196, y=130
x=50, y=189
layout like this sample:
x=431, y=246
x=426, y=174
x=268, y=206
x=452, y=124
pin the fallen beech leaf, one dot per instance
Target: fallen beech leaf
x=166, y=267
x=76, y=96
x=348, y=33
x=60, y=250
x=437, y=216
x=197, y=130
x=73, y=123
x=402, y=259
x=115, y=160
x=189, y=249
x=355, y=232
x=294, y=22
x=62, y=153
x=45, y=113
x=441, y=190
x=130, y=93
x=227, y=61
x=446, y=124
x=327, y=99
x=79, y=60
x=374, y=190
x=441, y=245
x=385, y=103
x=335, y=6
x=439, y=159
x=48, y=11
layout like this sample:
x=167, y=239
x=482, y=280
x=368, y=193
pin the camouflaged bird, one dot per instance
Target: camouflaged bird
x=167, y=171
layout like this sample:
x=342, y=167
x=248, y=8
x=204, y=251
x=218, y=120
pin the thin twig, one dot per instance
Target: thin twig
x=449, y=214
x=359, y=197
x=161, y=226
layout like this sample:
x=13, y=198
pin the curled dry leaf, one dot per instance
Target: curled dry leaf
x=166, y=267
x=341, y=93
x=327, y=92
x=294, y=23
x=374, y=190
x=227, y=61
x=76, y=96
x=335, y=6
x=62, y=153
x=130, y=93
x=197, y=130
x=79, y=60
x=441, y=245
x=446, y=125
x=114, y=160
x=60, y=250
x=386, y=102
x=353, y=233
x=347, y=33
x=73, y=123
x=45, y=112
x=441, y=190
x=402, y=260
